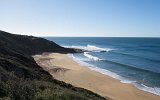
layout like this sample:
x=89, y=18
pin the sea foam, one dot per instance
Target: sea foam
x=91, y=57
x=80, y=61
x=91, y=48
x=154, y=90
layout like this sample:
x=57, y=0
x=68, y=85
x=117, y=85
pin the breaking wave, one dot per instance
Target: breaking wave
x=91, y=48
x=91, y=57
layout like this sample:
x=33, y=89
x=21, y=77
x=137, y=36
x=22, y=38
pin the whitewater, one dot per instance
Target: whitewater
x=130, y=60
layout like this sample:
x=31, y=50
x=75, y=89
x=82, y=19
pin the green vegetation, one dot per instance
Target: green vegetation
x=22, y=79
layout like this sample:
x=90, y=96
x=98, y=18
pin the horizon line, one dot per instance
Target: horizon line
x=101, y=36
x=85, y=36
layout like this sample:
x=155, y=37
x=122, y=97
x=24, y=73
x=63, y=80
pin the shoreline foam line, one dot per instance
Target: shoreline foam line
x=153, y=90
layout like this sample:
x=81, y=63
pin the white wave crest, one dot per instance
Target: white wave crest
x=80, y=61
x=91, y=57
x=127, y=81
x=95, y=48
x=90, y=48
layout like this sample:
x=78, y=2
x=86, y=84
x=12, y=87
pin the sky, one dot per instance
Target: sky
x=84, y=18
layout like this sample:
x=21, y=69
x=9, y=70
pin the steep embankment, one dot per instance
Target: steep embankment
x=22, y=79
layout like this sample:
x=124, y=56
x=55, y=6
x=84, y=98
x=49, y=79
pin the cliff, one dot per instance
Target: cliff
x=22, y=79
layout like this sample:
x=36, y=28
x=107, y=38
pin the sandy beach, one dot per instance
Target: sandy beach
x=64, y=68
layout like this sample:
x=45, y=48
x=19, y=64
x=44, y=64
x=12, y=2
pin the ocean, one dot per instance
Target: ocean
x=131, y=60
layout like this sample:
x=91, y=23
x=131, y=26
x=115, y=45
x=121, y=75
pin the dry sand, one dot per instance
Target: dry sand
x=64, y=68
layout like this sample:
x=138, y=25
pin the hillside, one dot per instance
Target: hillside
x=22, y=79
x=30, y=45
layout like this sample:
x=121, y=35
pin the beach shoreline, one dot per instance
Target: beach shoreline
x=64, y=68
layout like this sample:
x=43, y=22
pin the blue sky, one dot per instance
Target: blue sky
x=109, y=18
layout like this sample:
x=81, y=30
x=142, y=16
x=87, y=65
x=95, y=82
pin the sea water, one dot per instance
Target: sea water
x=130, y=60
